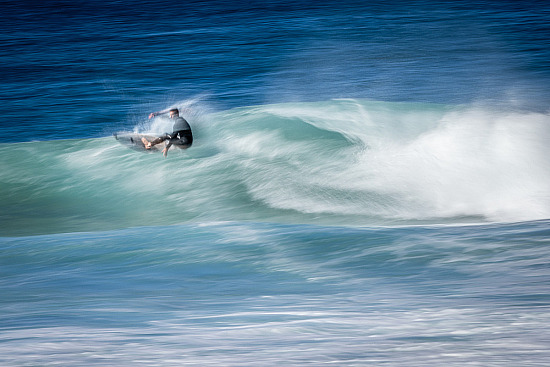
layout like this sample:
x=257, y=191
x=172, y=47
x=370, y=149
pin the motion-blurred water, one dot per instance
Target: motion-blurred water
x=369, y=184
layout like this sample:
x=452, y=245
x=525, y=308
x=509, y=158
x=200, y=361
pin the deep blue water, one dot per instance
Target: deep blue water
x=76, y=68
x=369, y=184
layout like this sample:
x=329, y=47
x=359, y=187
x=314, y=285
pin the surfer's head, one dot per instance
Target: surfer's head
x=174, y=112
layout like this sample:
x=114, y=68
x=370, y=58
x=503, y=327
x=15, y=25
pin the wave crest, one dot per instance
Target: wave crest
x=336, y=162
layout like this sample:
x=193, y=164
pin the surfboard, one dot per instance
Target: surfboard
x=133, y=141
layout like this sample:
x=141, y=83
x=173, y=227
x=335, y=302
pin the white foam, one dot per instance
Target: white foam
x=405, y=161
x=473, y=163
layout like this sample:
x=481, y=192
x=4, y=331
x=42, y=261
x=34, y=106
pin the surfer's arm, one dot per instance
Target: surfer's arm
x=153, y=114
x=165, y=150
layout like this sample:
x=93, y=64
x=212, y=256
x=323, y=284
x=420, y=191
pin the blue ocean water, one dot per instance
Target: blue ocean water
x=369, y=184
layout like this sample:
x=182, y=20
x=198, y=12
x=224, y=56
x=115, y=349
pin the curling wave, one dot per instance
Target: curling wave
x=347, y=162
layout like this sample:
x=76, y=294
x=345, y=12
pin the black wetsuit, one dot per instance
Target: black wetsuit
x=181, y=136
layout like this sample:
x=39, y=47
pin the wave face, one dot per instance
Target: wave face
x=349, y=161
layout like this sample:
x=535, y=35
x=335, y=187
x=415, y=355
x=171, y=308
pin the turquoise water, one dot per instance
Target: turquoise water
x=239, y=293
x=369, y=185
x=347, y=232
x=343, y=162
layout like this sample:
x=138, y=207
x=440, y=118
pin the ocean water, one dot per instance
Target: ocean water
x=369, y=184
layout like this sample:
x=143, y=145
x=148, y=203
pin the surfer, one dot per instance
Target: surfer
x=181, y=135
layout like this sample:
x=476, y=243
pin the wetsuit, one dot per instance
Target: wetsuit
x=181, y=136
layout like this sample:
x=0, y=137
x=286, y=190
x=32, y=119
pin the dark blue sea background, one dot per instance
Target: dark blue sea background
x=369, y=184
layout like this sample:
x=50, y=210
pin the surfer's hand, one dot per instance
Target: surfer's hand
x=152, y=115
x=165, y=152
